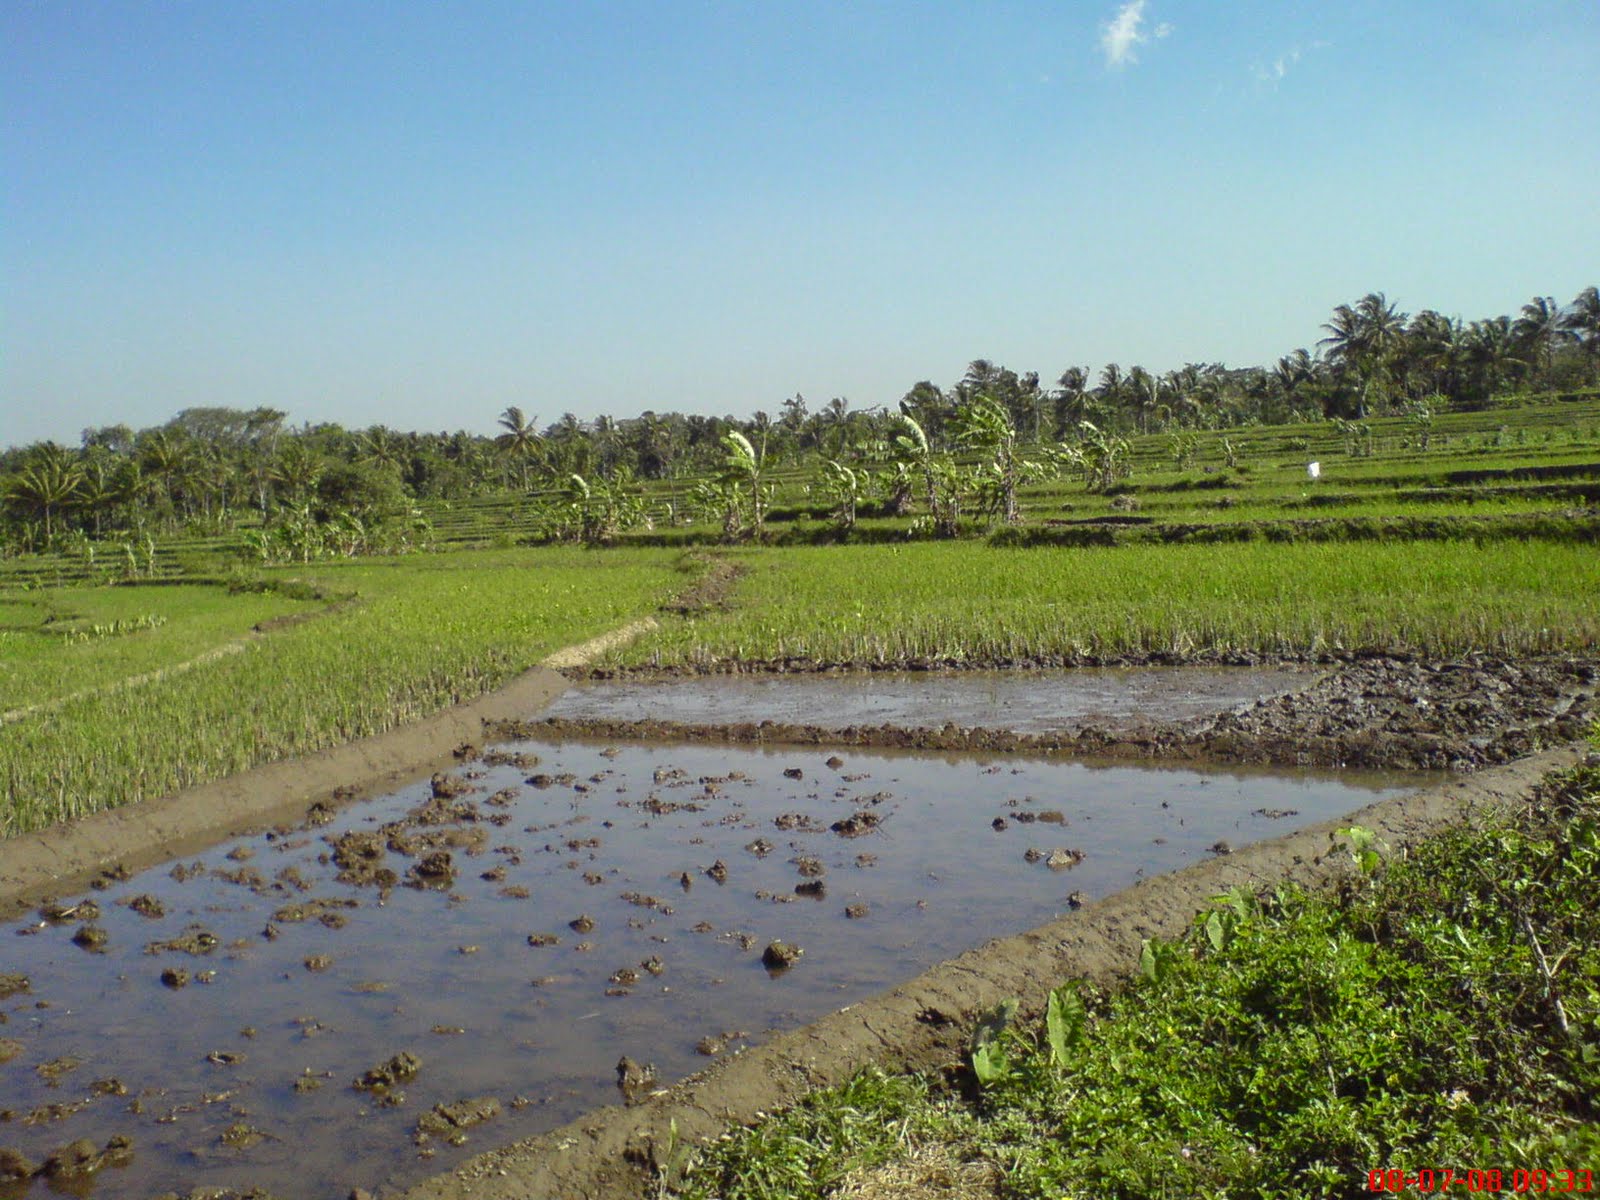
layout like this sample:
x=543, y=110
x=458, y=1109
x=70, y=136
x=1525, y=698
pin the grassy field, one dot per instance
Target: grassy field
x=1444, y=1015
x=59, y=641
x=1482, y=538
x=956, y=601
x=428, y=631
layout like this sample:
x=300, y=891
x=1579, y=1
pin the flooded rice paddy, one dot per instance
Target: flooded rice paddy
x=287, y=1011
x=1016, y=701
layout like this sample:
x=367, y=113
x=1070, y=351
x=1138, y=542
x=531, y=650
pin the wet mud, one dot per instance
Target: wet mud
x=361, y=997
x=1393, y=713
x=620, y=1153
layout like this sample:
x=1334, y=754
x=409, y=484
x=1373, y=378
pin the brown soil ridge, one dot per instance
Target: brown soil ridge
x=616, y=1153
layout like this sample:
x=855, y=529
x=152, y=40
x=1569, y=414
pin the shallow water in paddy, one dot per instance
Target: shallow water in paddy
x=449, y=974
x=1019, y=701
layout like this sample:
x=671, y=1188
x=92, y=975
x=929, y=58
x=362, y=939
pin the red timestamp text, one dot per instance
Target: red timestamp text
x=1518, y=1181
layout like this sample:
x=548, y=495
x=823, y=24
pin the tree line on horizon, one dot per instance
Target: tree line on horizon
x=209, y=466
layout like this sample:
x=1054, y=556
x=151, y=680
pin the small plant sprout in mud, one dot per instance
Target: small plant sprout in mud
x=1367, y=849
x=989, y=1060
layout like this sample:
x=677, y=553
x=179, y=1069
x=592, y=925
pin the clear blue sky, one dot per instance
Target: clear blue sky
x=420, y=213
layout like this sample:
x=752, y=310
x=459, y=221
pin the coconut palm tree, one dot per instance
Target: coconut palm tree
x=46, y=487
x=520, y=442
x=1538, y=331
x=1362, y=342
x=1582, y=321
x=1489, y=356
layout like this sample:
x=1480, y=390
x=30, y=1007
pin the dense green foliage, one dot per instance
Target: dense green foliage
x=249, y=480
x=1442, y=1012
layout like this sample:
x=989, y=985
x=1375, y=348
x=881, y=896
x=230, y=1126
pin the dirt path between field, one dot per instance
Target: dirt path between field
x=69, y=857
x=615, y=1153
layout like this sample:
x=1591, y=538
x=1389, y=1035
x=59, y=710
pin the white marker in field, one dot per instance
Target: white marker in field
x=1314, y=470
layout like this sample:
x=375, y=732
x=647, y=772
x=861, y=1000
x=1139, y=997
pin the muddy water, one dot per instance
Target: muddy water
x=311, y=981
x=1022, y=702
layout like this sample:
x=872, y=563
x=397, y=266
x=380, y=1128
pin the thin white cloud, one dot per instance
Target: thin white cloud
x=1271, y=74
x=1124, y=33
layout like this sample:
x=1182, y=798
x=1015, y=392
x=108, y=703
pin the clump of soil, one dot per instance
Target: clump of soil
x=858, y=910
x=14, y=1165
x=196, y=940
x=82, y=1158
x=633, y=1079
x=446, y=787
x=52, y=1071
x=240, y=1136
x=434, y=869
x=1058, y=859
x=581, y=924
x=448, y=1120
x=13, y=984
x=60, y=914
x=385, y=1077
x=779, y=956
x=91, y=938
x=175, y=978
x=857, y=825
x=147, y=906
x=9, y=1049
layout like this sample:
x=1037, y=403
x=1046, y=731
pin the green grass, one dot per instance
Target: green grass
x=958, y=601
x=431, y=630
x=1291, y=1044
x=54, y=643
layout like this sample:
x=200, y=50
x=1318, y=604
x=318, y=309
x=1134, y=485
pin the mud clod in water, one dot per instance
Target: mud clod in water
x=91, y=938
x=9, y=1049
x=197, y=940
x=60, y=914
x=386, y=1076
x=581, y=924
x=240, y=1136
x=447, y=1120
x=11, y=985
x=319, y=962
x=175, y=978
x=857, y=824
x=447, y=787
x=779, y=956
x=147, y=906
x=14, y=1165
x=633, y=1079
x=856, y=911
x=435, y=869
x=718, y=871
x=80, y=1158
